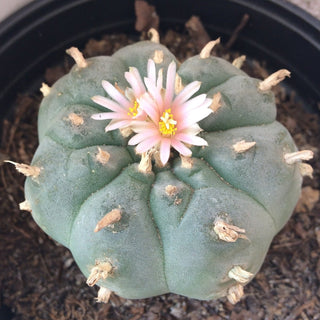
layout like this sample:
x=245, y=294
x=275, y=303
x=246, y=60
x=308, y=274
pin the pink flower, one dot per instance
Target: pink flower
x=125, y=107
x=172, y=119
x=160, y=118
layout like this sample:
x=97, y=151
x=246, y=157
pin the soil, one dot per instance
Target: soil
x=40, y=280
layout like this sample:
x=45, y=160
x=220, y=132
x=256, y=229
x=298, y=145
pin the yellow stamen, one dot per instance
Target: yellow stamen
x=167, y=125
x=133, y=111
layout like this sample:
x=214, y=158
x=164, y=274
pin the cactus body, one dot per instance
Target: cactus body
x=199, y=229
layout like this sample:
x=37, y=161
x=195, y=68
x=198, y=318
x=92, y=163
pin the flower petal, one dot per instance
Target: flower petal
x=171, y=79
x=154, y=92
x=191, y=139
x=151, y=71
x=107, y=103
x=165, y=150
x=207, y=103
x=130, y=94
x=140, y=126
x=135, y=81
x=147, y=144
x=116, y=124
x=195, y=102
x=148, y=105
x=181, y=148
x=142, y=136
x=193, y=117
x=107, y=115
x=115, y=94
x=160, y=79
x=187, y=92
x=193, y=129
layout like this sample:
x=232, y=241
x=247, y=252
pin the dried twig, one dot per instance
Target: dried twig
x=236, y=31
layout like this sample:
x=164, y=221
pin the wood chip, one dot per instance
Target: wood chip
x=197, y=32
x=146, y=16
x=309, y=197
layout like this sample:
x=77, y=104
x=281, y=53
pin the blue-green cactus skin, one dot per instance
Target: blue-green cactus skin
x=164, y=242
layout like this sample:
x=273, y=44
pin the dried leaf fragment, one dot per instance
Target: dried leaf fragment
x=110, y=218
x=228, y=232
x=25, y=169
x=206, y=51
x=216, y=102
x=298, y=156
x=186, y=162
x=158, y=56
x=25, y=205
x=125, y=132
x=235, y=293
x=77, y=57
x=104, y=295
x=240, y=275
x=178, y=86
x=306, y=170
x=273, y=79
x=243, y=146
x=45, y=89
x=100, y=271
x=154, y=35
x=238, y=62
x=145, y=164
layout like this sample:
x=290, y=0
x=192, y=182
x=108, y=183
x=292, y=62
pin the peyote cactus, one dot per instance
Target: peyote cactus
x=182, y=191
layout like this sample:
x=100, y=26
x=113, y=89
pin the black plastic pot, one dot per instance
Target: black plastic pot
x=36, y=36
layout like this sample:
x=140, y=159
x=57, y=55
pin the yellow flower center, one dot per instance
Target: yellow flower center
x=167, y=125
x=133, y=111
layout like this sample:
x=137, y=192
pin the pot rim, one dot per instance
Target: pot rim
x=286, y=16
